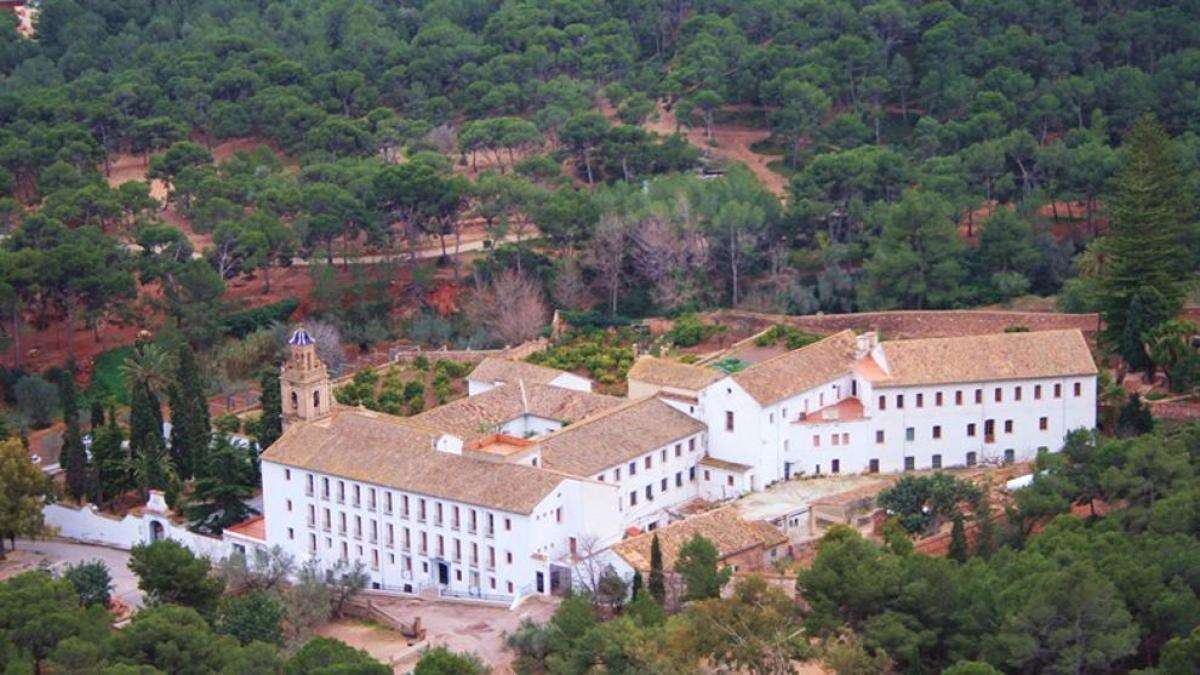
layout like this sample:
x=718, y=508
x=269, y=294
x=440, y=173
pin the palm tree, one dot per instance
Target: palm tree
x=148, y=371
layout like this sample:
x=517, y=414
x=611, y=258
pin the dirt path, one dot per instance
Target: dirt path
x=732, y=143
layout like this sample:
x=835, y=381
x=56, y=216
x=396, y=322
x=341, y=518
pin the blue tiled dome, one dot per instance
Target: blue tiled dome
x=300, y=337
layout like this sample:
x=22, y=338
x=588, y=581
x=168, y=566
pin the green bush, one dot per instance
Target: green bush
x=241, y=324
x=689, y=331
x=790, y=336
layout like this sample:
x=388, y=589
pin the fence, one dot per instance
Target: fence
x=90, y=525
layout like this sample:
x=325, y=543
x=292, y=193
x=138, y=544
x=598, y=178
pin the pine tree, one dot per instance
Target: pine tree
x=224, y=480
x=658, y=582
x=191, y=427
x=1147, y=243
x=271, y=423
x=73, y=457
x=958, y=539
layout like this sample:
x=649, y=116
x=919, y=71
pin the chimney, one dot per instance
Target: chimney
x=866, y=342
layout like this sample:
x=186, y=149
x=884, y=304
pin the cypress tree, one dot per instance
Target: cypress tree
x=191, y=427
x=636, y=586
x=73, y=457
x=958, y=539
x=97, y=416
x=110, y=462
x=271, y=424
x=1147, y=244
x=147, y=369
x=658, y=581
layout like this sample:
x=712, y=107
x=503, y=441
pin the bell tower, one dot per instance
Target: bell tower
x=307, y=393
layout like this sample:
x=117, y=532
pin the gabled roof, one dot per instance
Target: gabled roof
x=480, y=415
x=494, y=369
x=616, y=435
x=723, y=527
x=394, y=452
x=983, y=358
x=799, y=370
x=669, y=373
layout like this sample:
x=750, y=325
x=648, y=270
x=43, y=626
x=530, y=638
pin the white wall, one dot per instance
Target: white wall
x=572, y=381
x=86, y=524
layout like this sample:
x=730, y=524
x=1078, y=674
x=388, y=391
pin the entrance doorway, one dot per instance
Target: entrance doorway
x=541, y=582
x=443, y=573
x=156, y=531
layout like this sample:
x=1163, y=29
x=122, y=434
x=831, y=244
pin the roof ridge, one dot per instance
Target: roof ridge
x=792, y=352
x=595, y=417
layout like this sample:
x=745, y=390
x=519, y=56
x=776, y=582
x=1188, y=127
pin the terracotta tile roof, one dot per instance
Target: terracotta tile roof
x=845, y=410
x=800, y=369
x=493, y=369
x=983, y=358
x=394, y=452
x=723, y=527
x=252, y=528
x=615, y=436
x=481, y=415
x=723, y=464
x=668, y=373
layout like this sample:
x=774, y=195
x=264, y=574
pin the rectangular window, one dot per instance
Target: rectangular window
x=1037, y=391
x=617, y=474
x=1057, y=390
x=692, y=473
x=972, y=459
x=633, y=498
x=678, y=479
x=920, y=400
x=937, y=431
x=899, y=401
x=649, y=492
x=910, y=434
x=910, y=463
x=958, y=397
x=1078, y=389
x=287, y=474
x=835, y=466
x=833, y=439
x=649, y=460
x=937, y=462
x=845, y=438
x=728, y=420
x=729, y=481
x=971, y=429
x=873, y=466
x=679, y=449
x=1043, y=423
x=1017, y=393
x=1010, y=456
x=999, y=394
x=692, y=444
x=1008, y=426
x=662, y=485
x=937, y=399
x=633, y=468
x=979, y=396
x=879, y=436
x=883, y=403
x=816, y=440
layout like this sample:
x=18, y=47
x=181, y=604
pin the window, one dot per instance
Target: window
x=663, y=455
x=1037, y=391
x=289, y=505
x=508, y=524
x=1043, y=423
x=1010, y=456
x=816, y=440
x=937, y=462
x=873, y=466
x=558, y=515
x=883, y=403
x=879, y=436
x=899, y=401
x=834, y=440
x=771, y=418
x=1057, y=390
x=910, y=434
x=679, y=449
x=1017, y=393
x=692, y=473
x=972, y=459
x=971, y=429
x=706, y=475
x=910, y=463
x=678, y=479
x=692, y=444
x=1008, y=426
x=662, y=485
x=649, y=493
x=287, y=474
x=728, y=420
x=979, y=396
x=1078, y=389
x=633, y=498
x=617, y=474
x=633, y=468
x=649, y=460
x=937, y=431
x=920, y=400
x=845, y=438
x=729, y=481
x=958, y=397
x=937, y=399
x=999, y=394
x=292, y=534
x=835, y=466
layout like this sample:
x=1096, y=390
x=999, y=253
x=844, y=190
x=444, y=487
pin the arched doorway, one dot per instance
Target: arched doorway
x=156, y=531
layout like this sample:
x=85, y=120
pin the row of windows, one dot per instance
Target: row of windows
x=453, y=517
x=406, y=563
x=648, y=461
x=910, y=462
x=406, y=540
x=664, y=486
x=910, y=433
x=997, y=396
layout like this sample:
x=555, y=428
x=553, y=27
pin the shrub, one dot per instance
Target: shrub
x=241, y=324
x=688, y=331
x=790, y=336
x=37, y=400
x=91, y=581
